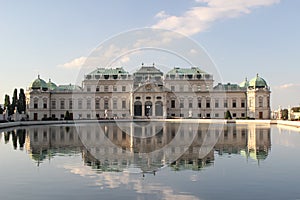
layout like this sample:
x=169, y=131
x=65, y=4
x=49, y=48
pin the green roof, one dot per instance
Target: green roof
x=227, y=87
x=258, y=82
x=192, y=70
x=69, y=87
x=244, y=84
x=51, y=85
x=148, y=70
x=108, y=71
x=39, y=84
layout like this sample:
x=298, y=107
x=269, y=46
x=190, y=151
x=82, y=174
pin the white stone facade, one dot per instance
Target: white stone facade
x=148, y=93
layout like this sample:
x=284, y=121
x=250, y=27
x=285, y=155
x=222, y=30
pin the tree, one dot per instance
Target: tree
x=14, y=102
x=8, y=106
x=67, y=115
x=6, y=101
x=21, y=107
x=1, y=110
x=284, y=114
x=228, y=115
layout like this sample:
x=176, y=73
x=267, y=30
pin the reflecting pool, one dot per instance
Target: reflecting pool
x=156, y=160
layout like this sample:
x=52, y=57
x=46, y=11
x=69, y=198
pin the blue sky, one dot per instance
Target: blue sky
x=242, y=37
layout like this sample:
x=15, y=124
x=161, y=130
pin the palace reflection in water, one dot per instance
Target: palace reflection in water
x=143, y=146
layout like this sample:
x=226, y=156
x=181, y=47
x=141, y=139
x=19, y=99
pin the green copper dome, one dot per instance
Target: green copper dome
x=51, y=85
x=258, y=82
x=39, y=84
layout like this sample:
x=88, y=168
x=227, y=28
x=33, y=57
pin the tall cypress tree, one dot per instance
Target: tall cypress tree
x=1, y=110
x=14, y=99
x=21, y=102
x=7, y=105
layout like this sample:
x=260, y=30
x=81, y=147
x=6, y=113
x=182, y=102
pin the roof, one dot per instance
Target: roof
x=108, y=71
x=69, y=87
x=192, y=70
x=51, y=85
x=228, y=87
x=148, y=70
x=39, y=84
x=258, y=82
x=244, y=84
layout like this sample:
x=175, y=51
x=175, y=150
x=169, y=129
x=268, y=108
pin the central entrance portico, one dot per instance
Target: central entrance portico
x=147, y=101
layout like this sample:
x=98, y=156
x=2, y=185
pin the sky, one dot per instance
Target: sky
x=53, y=39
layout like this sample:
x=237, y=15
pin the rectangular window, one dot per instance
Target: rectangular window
x=225, y=103
x=45, y=105
x=199, y=103
x=123, y=104
x=97, y=104
x=106, y=88
x=115, y=88
x=233, y=114
x=53, y=104
x=70, y=104
x=79, y=104
x=97, y=89
x=243, y=104
x=173, y=104
x=216, y=103
x=190, y=104
x=88, y=104
x=207, y=115
x=243, y=115
x=207, y=103
x=234, y=103
x=217, y=115
x=35, y=104
x=62, y=104
x=123, y=88
x=88, y=88
x=181, y=104
x=106, y=104
x=115, y=105
x=88, y=116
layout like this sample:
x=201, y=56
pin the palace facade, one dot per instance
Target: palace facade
x=148, y=93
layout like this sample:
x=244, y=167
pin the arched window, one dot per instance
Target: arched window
x=137, y=108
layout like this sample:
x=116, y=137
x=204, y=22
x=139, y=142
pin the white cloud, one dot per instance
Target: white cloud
x=75, y=63
x=287, y=85
x=162, y=14
x=199, y=18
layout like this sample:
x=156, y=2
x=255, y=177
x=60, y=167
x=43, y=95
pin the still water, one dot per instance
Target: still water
x=149, y=161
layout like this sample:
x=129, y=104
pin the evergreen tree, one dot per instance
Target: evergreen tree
x=67, y=115
x=8, y=106
x=1, y=110
x=284, y=114
x=21, y=102
x=228, y=115
x=14, y=99
x=6, y=101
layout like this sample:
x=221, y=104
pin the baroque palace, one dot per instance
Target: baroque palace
x=149, y=93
